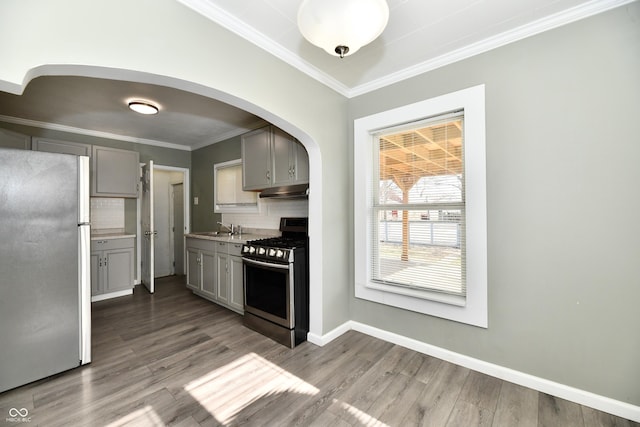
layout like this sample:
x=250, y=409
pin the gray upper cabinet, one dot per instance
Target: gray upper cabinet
x=290, y=160
x=256, y=159
x=9, y=139
x=64, y=147
x=115, y=172
x=272, y=158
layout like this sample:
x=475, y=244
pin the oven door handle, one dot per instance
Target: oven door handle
x=266, y=264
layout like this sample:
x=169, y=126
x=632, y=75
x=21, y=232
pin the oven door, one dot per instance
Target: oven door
x=268, y=288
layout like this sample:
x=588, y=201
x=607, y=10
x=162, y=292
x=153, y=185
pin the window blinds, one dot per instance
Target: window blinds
x=418, y=206
x=229, y=187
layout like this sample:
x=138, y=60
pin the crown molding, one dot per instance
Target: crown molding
x=557, y=20
x=99, y=134
x=94, y=133
x=233, y=24
x=221, y=17
x=231, y=134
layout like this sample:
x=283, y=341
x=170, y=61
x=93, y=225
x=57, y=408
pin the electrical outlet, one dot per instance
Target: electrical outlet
x=195, y=200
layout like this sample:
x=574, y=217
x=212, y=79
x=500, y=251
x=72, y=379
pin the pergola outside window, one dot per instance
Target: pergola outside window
x=419, y=203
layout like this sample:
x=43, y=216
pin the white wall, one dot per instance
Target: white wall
x=164, y=256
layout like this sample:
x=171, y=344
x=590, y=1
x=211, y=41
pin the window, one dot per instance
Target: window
x=418, y=206
x=420, y=184
x=228, y=194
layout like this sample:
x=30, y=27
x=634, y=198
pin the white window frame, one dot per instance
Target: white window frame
x=471, y=309
x=245, y=208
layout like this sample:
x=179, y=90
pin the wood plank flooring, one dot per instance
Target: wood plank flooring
x=175, y=359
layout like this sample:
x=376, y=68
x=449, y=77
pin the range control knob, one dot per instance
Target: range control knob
x=272, y=252
x=279, y=253
x=261, y=251
x=252, y=249
x=245, y=249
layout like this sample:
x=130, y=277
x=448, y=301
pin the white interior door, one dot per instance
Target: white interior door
x=178, y=228
x=148, y=229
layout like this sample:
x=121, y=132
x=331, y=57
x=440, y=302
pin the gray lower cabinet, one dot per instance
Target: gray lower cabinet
x=111, y=266
x=214, y=271
x=236, y=278
x=115, y=172
x=222, y=270
x=201, y=264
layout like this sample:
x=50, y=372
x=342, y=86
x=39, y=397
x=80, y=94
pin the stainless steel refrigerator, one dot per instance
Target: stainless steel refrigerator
x=45, y=290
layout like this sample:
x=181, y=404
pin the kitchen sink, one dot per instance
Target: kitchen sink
x=213, y=233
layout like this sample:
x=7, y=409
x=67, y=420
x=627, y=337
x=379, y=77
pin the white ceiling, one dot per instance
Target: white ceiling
x=421, y=35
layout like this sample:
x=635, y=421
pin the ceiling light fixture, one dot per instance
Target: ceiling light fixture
x=143, y=107
x=341, y=27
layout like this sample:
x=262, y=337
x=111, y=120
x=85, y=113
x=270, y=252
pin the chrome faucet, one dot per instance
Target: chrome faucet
x=230, y=228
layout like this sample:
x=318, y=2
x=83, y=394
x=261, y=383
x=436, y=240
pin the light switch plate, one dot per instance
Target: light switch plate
x=195, y=200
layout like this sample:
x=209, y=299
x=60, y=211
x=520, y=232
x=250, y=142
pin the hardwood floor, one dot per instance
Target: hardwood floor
x=175, y=359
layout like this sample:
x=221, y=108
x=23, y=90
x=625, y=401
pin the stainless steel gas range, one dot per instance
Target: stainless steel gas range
x=276, y=284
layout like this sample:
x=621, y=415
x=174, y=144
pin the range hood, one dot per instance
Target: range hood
x=298, y=191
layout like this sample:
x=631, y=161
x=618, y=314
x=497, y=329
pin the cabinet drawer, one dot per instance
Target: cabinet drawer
x=206, y=245
x=235, y=249
x=108, y=244
x=221, y=247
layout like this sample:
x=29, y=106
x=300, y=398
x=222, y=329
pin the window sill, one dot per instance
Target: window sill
x=450, y=307
x=425, y=294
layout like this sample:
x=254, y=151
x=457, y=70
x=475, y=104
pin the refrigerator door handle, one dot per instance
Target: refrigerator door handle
x=84, y=288
x=84, y=209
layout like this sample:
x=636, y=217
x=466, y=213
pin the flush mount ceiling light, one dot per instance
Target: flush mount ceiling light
x=341, y=27
x=143, y=107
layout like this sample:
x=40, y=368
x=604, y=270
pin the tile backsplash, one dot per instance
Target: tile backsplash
x=107, y=213
x=270, y=213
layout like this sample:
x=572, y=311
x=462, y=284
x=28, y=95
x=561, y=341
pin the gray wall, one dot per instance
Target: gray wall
x=562, y=118
x=160, y=155
x=202, y=161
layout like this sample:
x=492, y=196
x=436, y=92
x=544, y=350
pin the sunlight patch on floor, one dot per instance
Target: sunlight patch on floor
x=142, y=417
x=226, y=391
x=361, y=417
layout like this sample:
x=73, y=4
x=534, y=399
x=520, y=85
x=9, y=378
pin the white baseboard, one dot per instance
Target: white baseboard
x=111, y=295
x=582, y=397
x=322, y=340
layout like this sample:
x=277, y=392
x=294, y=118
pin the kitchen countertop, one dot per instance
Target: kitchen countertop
x=223, y=237
x=111, y=236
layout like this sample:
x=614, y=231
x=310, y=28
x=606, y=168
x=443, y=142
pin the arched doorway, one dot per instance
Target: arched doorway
x=315, y=167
